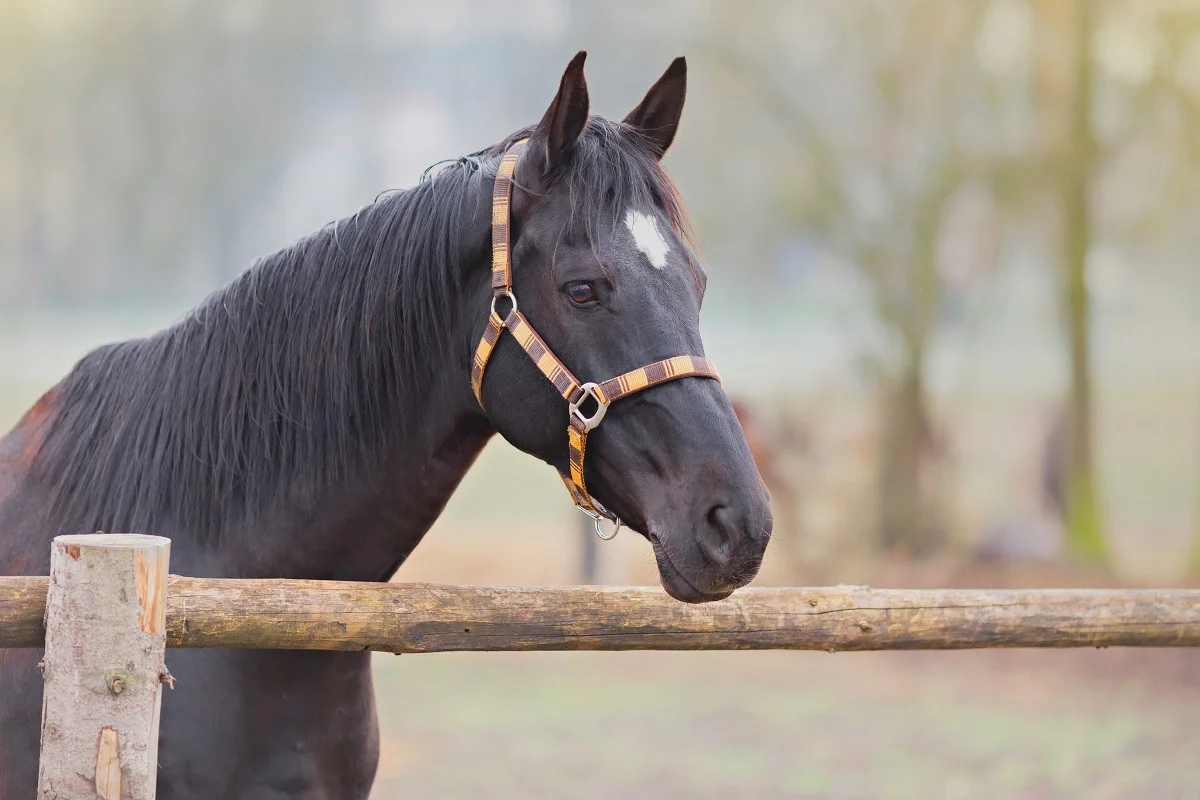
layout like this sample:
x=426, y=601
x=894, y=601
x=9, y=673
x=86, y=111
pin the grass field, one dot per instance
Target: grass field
x=764, y=725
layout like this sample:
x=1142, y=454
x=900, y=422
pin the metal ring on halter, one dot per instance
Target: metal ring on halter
x=589, y=391
x=512, y=298
x=597, y=517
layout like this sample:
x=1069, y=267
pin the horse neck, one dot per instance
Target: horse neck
x=364, y=530
x=363, y=524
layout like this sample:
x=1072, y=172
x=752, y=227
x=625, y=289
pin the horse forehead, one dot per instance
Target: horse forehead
x=648, y=236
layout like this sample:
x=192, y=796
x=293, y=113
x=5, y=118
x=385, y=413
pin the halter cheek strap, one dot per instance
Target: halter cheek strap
x=577, y=394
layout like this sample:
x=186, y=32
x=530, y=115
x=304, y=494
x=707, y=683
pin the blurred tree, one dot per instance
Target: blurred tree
x=883, y=152
x=1176, y=84
x=1064, y=60
x=146, y=138
x=920, y=129
x=1193, y=565
x=1149, y=109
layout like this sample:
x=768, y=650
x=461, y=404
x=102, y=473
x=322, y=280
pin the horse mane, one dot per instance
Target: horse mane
x=298, y=374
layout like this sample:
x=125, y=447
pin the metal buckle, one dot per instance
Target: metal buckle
x=512, y=298
x=589, y=390
x=597, y=516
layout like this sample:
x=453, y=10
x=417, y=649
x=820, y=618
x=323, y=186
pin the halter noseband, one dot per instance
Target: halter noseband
x=572, y=390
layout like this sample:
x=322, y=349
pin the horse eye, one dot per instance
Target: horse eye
x=581, y=294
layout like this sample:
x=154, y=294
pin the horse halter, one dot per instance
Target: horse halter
x=576, y=393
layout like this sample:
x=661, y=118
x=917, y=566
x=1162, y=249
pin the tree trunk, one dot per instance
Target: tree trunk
x=1085, y=535
x=1194, y=558
x=906, y=521
x=588, y=551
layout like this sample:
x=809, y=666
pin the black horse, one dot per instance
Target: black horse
x=311, y=419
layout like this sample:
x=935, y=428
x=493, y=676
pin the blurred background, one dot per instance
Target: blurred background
x=968, y=228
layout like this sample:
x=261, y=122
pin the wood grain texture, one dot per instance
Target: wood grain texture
x=417, y=618
x=103, y=667
x=22, y=610
x=421, y=618
x=108, y=765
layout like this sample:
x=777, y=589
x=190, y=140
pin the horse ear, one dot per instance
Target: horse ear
x=563, y=121
x=657, y=116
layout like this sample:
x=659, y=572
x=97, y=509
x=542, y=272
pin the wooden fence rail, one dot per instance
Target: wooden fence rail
x=422, y=618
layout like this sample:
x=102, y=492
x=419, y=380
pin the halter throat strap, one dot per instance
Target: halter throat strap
x=587, y=403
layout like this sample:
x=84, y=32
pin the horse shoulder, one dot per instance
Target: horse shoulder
x=20, y=446
x=19, y=449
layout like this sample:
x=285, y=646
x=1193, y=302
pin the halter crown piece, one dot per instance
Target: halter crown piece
x=572, y=390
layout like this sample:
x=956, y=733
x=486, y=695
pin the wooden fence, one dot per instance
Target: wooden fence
x=109, y=608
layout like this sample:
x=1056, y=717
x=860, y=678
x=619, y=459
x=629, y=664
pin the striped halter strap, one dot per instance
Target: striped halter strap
x=576, y=393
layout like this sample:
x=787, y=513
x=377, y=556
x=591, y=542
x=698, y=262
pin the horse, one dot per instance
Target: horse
x=312, y=418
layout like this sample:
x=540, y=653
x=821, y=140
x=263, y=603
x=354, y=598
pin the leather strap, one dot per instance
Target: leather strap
x=641, y=378
x=501, y=202
x=540, y=354
x=483, y=351
x=565, y=382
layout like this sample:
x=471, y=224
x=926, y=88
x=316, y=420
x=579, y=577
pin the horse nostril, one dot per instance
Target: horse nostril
x=718, y=539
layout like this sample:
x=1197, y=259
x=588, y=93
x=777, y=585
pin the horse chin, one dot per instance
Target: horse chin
x=676, y=584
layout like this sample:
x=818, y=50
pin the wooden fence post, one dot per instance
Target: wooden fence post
x=103, y=668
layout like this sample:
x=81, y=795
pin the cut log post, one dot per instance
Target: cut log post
x=106, y=621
